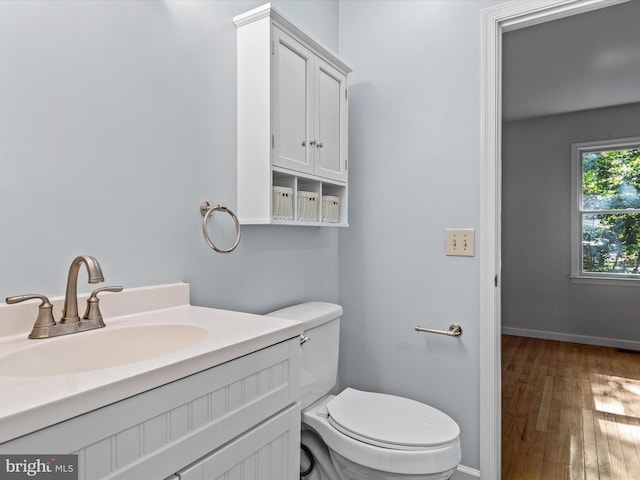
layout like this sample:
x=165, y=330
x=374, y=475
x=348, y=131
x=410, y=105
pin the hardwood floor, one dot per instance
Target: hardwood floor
x=569, y=411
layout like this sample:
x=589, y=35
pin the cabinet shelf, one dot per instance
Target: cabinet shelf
x=292, y=125
x=296, y=187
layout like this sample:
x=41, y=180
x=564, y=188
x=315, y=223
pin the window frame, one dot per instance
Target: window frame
x=577, y=275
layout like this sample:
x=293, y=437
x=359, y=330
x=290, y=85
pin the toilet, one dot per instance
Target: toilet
x=368, y=435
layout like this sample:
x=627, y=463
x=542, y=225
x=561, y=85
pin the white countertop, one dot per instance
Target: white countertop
x=31, y=403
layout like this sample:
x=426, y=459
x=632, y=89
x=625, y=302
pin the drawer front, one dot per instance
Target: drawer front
x=269, y=451
x=156, y=433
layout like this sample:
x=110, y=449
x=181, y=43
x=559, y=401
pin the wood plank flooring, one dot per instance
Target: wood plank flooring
x=569, y=411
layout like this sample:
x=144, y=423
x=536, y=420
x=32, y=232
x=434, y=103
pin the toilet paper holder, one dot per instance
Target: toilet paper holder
x=455, y=330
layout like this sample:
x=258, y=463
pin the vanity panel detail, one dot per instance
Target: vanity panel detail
x=162, y=431
x=267, y=451
x=292, y=124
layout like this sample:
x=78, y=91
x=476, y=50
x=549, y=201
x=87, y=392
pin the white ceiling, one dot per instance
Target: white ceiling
x=590, y=60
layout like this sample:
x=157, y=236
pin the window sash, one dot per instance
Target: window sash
x=578, y=212
x=606, y=255
x=621, y=211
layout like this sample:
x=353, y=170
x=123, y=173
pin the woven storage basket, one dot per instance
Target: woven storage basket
x=307, y=206
x=282, y=203
x=330, y=209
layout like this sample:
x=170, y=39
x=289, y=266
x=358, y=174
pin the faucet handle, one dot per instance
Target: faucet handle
x=44, y=321
x=92, y=313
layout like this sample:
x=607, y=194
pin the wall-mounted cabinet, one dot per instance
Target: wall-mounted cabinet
x=292, y=125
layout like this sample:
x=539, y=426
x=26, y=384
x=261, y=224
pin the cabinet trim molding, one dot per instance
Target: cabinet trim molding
x=268, y=10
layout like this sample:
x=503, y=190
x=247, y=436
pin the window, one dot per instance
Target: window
x=606, y=210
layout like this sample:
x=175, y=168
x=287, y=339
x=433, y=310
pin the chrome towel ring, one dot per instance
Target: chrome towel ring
x=206, y=209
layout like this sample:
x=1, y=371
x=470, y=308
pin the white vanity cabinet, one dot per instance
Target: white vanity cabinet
x=240, y=419
x=292, y=123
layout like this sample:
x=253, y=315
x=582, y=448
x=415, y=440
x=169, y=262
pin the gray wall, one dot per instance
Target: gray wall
x=537, y=293
x=117, y=119
x=414, y=157
x=580, y=62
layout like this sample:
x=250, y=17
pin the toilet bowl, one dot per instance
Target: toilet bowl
x=361, y=451
x=369, y=435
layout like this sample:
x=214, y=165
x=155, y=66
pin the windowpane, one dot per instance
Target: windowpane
x=610, y=243
x=611, y=179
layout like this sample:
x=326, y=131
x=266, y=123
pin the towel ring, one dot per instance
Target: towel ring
x=207, y=210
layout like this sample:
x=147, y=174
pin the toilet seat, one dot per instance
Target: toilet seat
x=427, y=460
x=389, y=421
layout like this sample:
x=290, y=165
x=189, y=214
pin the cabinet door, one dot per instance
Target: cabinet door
x=271, y=450
x=331, y=121
x=292, y=71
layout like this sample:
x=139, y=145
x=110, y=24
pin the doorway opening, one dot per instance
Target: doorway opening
x=495, y=22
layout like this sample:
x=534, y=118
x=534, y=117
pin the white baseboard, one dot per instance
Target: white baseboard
x=567, y=337
x=466, y=473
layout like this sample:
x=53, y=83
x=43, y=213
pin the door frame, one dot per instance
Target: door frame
x=496, y=21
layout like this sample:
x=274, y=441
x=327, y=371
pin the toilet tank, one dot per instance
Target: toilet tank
x=319, y=360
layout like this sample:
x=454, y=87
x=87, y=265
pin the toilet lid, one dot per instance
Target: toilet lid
x=390, y=421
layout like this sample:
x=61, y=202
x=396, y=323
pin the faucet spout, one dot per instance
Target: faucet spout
x=70, y=311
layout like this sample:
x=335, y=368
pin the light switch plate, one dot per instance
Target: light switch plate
x=460, y=242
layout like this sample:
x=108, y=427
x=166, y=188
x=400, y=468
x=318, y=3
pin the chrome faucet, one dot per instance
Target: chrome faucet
x=45, y=325
x=70, y=309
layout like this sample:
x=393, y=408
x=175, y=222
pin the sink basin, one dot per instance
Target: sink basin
x=98, y=349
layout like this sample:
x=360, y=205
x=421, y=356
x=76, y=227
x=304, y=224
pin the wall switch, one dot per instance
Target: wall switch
x=460, y=242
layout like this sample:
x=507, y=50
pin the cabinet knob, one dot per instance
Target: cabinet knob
x=312, y=143
x=319, y=145
x=304, y=143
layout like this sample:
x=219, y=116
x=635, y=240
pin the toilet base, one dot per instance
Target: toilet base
x=323, y=468
x=348, y=470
